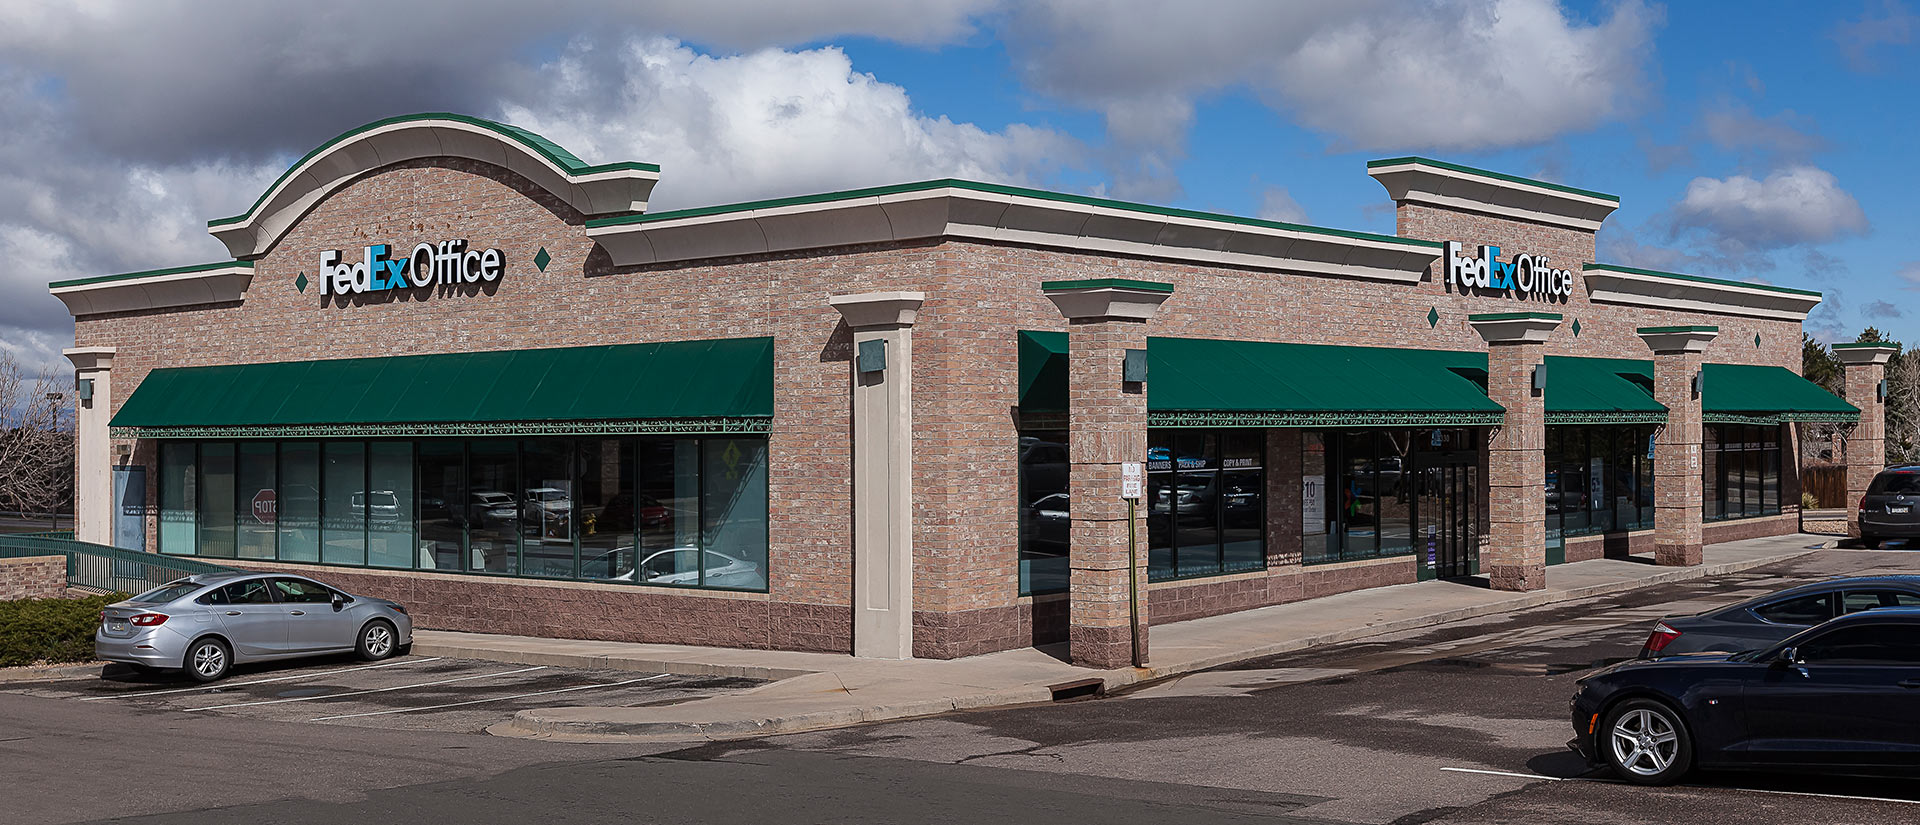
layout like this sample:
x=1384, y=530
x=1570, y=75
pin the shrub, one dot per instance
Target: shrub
x=1808, y=502
x=50, y=630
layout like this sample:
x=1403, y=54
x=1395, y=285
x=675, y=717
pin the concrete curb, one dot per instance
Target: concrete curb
x=573, y=724
x=47, y=673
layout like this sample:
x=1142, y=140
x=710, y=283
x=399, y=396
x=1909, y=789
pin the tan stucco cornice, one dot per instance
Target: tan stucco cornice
x=984, y=212
x=1451, y=186
x=159, y=289
x=610, y=189
x=1611, y=284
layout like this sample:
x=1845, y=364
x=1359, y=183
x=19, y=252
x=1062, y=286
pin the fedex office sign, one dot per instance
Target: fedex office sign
x=448, y=263
x=1525, y=275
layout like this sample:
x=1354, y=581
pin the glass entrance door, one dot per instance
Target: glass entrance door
x=1447, y=513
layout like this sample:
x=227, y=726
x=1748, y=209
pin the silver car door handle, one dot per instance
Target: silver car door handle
x=233, y=612
x=296, y=612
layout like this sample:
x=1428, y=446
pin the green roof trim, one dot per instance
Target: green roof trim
x=1517, y=316
x=1491, y=174
x=1665, y=330
x=721, y=378
x=998, y=189
x=1588, y=267
x=1867, y=345
x=545, y=148
x=1107, y=283
x=150, y=273
x=1622, y=387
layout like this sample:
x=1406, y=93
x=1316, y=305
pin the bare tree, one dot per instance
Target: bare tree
x=36, y=439
x=1903, y=409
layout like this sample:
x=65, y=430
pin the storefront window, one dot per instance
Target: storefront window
x=216, y=500
x=179, y=498
x=1741, y=471
x=1206, y=502
x=259, y=508
x=443, y=517
x=343, y=523
x=298, y=504
x=1043, y=512
x=389, y=505
x=1599, y=479
x=687, y=511
x=1318, y=539
x=493, y=511
x=1374, y=481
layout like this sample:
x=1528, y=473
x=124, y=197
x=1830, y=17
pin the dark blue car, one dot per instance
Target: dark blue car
x=1842, y=696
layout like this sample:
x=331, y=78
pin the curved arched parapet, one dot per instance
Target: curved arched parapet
x=607, y=190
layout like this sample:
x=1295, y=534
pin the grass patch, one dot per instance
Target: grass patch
x=36, y=631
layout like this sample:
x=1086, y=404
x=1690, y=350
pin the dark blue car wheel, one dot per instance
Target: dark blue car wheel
x=1646, y=742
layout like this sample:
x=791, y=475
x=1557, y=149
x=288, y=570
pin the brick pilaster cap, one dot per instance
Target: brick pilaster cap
x=1677, y=340
x=90, y=358
x=879, y=309
x=1107, y=298
x=1515, y=327
x=1865, y=354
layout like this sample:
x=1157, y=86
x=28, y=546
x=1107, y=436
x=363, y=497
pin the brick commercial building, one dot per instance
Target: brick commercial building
x=453, y=365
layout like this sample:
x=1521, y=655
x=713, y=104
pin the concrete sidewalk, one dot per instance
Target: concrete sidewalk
x=812, y=691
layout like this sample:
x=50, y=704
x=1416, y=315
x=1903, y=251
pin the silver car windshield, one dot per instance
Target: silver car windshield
x=167, y=592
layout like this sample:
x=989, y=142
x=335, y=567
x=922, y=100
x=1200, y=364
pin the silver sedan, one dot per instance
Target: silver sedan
x=208, y=623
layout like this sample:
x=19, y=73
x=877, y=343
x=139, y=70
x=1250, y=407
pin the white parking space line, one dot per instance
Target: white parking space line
x=225, y=685
x=484, y=701
x=1505, y=773
x=365, y=692
x=1807, y=793
x=1694, y=787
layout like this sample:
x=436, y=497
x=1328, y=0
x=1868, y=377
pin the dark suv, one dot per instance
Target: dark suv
x=1887, y=510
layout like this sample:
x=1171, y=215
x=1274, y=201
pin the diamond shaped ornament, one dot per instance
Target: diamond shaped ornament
x=1433, y=317
x=301, y=282
x=1576, y=327
x=541, y=259
x=1756, y=341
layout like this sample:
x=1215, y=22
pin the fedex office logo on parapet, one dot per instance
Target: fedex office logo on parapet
x=449, y=263
x=1524, y=275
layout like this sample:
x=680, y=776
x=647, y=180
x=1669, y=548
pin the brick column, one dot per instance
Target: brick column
x=882, y=324
x=1866, y=366
x=1106, y=425
x=1516, y=554
x=92, y=444
x=1677, y=485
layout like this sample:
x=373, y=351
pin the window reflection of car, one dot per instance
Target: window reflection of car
x=1043, y=464
x=680, y=565
x=1241, y=503
x=619, y=513
x=1048, y=525
x=491, y=508
x=546, y=504
x=385, y=505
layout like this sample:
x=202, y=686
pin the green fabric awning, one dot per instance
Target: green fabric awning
x=1195, y=381
x=1208, y=382
x=716, y=385
x=1601, y=391
x=1746, y=394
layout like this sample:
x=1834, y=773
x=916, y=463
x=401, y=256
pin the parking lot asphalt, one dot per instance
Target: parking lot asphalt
x=408, y=692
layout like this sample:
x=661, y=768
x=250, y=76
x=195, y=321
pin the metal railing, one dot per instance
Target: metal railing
x=106, y=569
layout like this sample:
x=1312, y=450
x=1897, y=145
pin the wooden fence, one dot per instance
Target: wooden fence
x=1827, y=484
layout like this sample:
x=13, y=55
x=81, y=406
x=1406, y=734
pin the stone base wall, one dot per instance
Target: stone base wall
x=1715, y=532
x=33, y=577
x=1179, y=601
x=577, y=610
x=1609, y=545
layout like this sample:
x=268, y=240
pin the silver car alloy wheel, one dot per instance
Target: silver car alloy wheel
x=1645, y=742
x=209, y=659
x=378, y=639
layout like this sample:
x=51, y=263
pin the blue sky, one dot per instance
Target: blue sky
x=1762, y=141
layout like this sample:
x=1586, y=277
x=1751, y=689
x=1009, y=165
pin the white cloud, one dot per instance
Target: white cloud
x=1277, y=204
x=1796, y=205
x=1859, y=39
x=1783, y=136
x=1370, y=74
x=767, y=123
x=1910, y=273
x=1882, y=309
